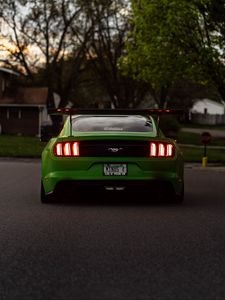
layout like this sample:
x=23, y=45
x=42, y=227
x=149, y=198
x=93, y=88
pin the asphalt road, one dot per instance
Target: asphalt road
x=106, y=251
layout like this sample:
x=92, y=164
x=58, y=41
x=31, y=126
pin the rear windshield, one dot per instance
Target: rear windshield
x=112, y=123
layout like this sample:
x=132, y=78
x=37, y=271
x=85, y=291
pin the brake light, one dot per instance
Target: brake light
x=169, y=150
x=66, y=149
x=75, y=149
x=159, y=149
x=153, y=149
x=58, y=149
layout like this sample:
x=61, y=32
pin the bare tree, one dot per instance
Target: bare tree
x=46, y=33
x=60, y=38
x=110, y=26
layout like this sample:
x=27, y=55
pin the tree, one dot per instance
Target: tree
x=46, y=34
x=213, y=19
x=153, y=55
x=110, y=23
x=172, y=40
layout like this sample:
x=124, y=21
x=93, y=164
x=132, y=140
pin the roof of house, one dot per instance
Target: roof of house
x=209, y=101
x=27, y=96
x=208, y=106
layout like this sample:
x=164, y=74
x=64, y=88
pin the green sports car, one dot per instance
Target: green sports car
x=114, y=151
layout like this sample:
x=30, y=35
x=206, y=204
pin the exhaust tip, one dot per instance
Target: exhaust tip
x=114, y=188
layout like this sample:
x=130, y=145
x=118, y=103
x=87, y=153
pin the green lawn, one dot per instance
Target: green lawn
x=219, y=127
x=192, y=154
x=196, y=154
x=20, y=146
x=195, y=139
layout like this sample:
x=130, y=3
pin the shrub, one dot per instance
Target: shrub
x=169, y=126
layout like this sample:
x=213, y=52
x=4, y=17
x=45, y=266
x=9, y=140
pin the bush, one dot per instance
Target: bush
x=169, y=126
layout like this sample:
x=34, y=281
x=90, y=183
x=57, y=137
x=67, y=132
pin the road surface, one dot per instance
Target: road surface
x=98, y=250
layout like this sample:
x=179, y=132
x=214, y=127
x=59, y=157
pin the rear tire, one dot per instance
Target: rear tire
x=179, y=198
x=45, y=198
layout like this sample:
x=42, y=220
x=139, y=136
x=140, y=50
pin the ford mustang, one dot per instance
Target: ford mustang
x=113, y=151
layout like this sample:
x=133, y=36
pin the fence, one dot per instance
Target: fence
x=206, y=119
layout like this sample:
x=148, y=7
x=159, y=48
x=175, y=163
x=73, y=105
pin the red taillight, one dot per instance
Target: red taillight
x=66, y=149
x=169, y=150
x=153, y=149
x=59, y=149
x=75, y=149
x=159, y=149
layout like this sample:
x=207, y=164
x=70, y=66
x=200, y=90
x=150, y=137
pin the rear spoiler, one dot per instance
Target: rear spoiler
x=78, y=111
x=81, y=111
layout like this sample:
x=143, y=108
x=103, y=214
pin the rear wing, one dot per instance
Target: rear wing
x=75, y=111
x=78, y=111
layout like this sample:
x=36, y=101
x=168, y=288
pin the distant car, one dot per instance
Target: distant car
x=111, y=150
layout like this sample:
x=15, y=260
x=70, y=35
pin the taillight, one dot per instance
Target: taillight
x=58, y=149
x=159, y=149
x=66, y=149
x=153, y=149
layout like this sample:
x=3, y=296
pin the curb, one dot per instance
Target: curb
x=209, y=167
x=20, y=159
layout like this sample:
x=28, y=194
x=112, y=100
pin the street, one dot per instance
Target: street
x=95, y=249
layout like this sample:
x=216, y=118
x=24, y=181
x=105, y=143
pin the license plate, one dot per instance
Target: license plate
x=115, y=169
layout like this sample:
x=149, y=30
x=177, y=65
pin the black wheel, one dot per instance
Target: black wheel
x=179, y=198
x=45, y=198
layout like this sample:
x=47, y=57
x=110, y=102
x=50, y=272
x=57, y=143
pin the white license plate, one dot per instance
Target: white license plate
x=115, y=169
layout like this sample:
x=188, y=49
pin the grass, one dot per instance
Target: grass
x=196, y=154
x=195, y=139
x=193, y=154
x=218, y=127
x=20, y=146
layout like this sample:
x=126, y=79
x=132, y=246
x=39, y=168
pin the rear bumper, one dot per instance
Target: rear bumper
x=87, y=172
x=69, y=188
x=150, y=181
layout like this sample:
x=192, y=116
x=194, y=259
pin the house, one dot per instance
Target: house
x=207, y=106
x=23, y=110
x=207, y=111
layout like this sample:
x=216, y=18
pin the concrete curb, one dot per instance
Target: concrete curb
x=210, y=167
x=20, y=159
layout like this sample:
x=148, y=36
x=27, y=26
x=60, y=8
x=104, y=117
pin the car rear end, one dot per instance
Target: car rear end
x=112, y=161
